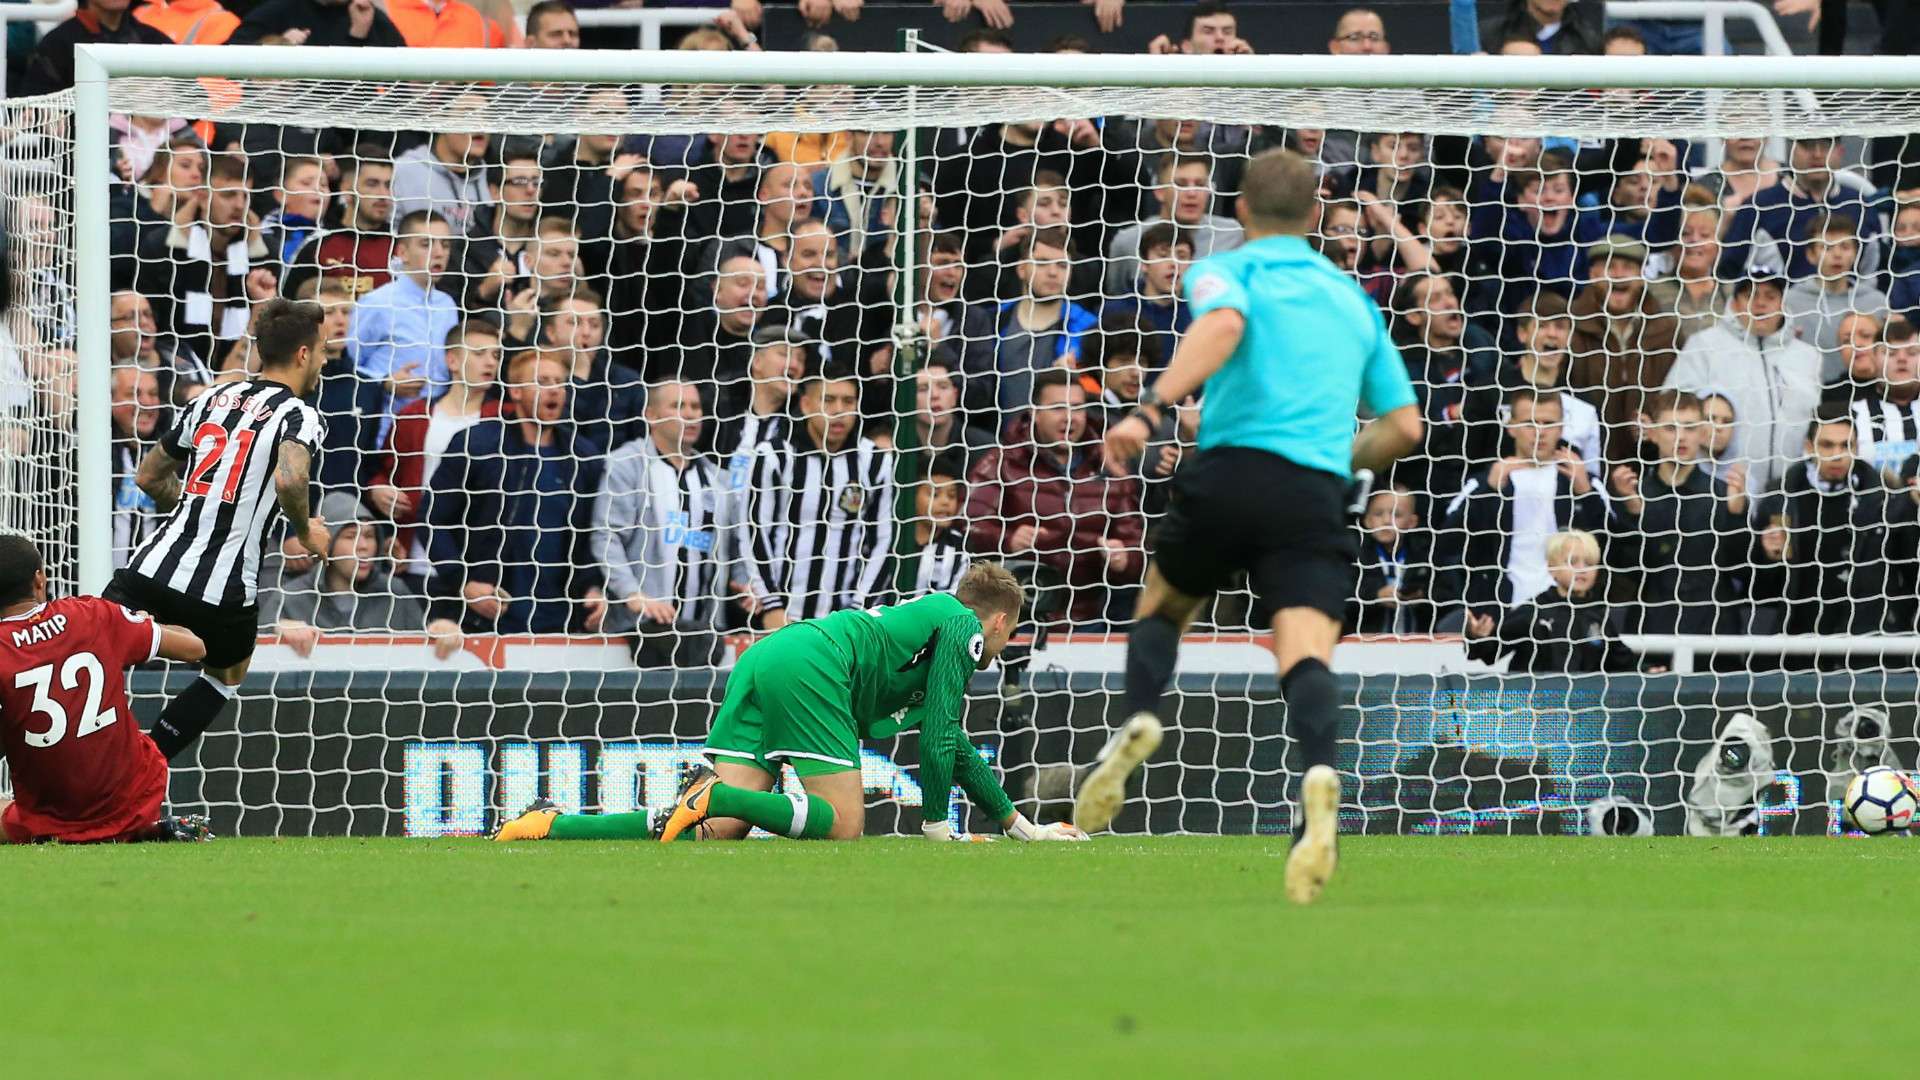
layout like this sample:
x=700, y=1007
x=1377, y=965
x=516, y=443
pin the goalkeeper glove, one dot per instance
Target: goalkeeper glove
x=943, y=830
x=1022, y=829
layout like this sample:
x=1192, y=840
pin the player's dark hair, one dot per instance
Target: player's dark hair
x=19, y=561
x=1898, y=331
x=1069, y=43
x=282, y=327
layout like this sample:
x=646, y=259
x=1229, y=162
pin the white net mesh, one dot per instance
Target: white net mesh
x=619, y=371
x=37, y=330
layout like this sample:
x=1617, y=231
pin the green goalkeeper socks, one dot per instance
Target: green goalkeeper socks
x=600, y=827
x=798, y=815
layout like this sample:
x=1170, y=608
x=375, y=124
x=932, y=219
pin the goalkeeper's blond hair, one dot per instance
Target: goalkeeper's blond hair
x=988, y=587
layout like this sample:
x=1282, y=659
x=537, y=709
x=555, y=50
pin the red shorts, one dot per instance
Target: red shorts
x=118, y=828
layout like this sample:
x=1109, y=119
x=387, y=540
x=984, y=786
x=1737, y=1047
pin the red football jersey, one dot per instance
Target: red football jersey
x=82, y=768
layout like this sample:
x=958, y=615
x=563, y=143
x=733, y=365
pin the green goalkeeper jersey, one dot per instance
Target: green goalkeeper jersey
x=911, y=666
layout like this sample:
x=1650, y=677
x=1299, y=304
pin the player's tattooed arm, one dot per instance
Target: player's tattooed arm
x=159, y=477
x=291, y=478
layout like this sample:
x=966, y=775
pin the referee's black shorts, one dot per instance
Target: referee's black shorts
x=228, y=633
x=1232, y=509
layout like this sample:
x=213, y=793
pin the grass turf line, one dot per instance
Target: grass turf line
x=1124, y=957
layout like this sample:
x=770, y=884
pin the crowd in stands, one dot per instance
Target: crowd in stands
x=671, y=387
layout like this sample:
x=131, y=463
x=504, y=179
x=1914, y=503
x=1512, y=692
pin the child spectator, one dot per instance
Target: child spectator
x=301, y=198
x=1903, y=267
x=1565, y=630
x=1722, y=420
x=1156, y=306
x=939, y=534
x=1391, y=597
x=1443, y=226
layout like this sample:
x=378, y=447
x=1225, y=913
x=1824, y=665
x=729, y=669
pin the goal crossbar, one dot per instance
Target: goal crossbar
x=958, y=69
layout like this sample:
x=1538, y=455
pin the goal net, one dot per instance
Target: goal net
x=619, y=376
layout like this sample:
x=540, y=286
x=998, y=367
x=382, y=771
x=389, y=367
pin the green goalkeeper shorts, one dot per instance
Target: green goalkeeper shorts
x=789, y=699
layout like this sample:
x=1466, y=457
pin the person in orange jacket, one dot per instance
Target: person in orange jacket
x=189, y=22
x=449, y=24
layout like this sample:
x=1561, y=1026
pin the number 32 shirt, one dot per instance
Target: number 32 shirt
x=82, y=768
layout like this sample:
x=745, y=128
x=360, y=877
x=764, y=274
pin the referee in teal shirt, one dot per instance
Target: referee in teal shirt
x=1288, y=348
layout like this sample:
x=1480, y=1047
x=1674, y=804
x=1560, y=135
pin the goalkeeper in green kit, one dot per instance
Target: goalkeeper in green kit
x=806, y=695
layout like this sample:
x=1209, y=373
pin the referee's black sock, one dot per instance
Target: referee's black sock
x=1153, y=648
x=191, y=712
x=1313, y=710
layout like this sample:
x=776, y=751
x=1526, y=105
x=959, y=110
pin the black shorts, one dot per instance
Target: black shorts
x=228, y=633
x=1233, y=509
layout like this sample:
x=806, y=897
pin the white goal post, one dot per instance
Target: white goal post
x=1424, y=722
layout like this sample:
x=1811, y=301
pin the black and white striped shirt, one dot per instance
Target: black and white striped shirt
x=134, y=515
x=738, y=440
x=667, y=534
x=942, y=562
x=1886, y=434
x=820, y=525
x=209, y=547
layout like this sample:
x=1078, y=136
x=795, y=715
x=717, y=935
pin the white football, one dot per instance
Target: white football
x=1881, y=800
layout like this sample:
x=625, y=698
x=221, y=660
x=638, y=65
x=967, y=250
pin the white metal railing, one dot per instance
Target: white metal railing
x=46, y=16
x=1713, y=16
x=1687, y=648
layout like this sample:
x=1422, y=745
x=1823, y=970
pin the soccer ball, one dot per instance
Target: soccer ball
x=1881, y=800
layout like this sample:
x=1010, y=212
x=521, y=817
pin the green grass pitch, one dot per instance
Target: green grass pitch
x=1123, y=957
